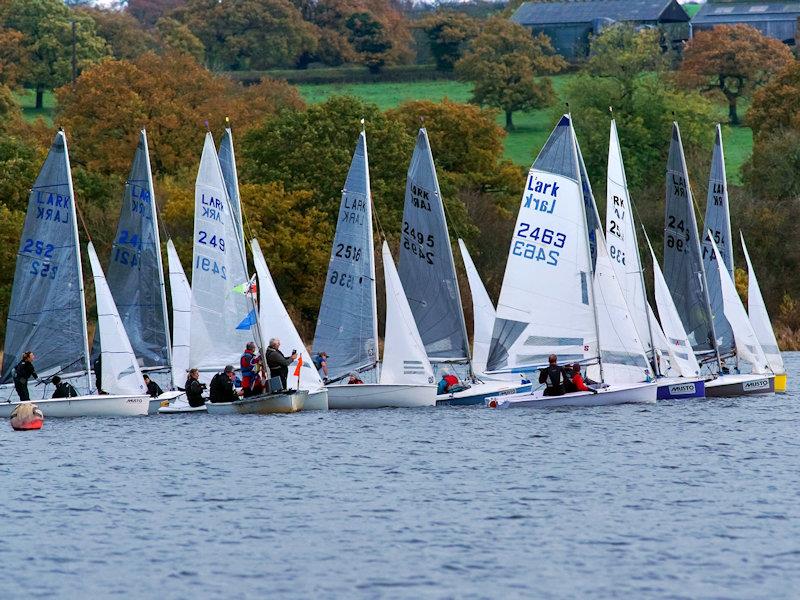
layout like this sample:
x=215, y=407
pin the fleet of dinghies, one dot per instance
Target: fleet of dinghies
x=571, y=287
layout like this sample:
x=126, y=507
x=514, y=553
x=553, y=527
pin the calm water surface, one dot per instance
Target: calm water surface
x=678, y=500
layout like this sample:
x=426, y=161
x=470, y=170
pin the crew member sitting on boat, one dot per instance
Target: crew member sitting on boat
x=22, y=372
x=278, y=363
x=153, y=389
x=354, y=379
x=321, y=364
x=578, y=382
x=63, y=388
x=194, y=389
x=449, y=384
x=553, y=377
x=249, y=364
x=222, y=386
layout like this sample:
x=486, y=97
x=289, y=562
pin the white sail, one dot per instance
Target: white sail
x=682, y=358
x=662, y=356
x=623, y=247
x=545, y=304
x=221, y=314
x=621, y=350
x=181, y=294
x=120, y=374
x=747, y=346
x=404, y=357
x=276, y=322
x=759, y=318
x=483, y=313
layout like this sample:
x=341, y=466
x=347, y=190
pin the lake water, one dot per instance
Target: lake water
x=678, y=500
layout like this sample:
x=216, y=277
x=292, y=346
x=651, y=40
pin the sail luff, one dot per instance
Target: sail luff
x=227, y=160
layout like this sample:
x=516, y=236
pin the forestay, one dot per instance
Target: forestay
x=545, y=302
x=120, y=373
x=623, y=248
x=759, y=318
x=404, y=357
x=681, y=356
x=227, y=162
x=217, y=308
x=747, y=346
x=718, y=224
x=47, y=314
x=426, y=268
x=347, y=325
x=276, y=322
x=181, y=295
x=483, y=313
x=683, y=266
x=135, y=271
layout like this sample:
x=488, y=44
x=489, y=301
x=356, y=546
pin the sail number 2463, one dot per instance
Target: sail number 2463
x=543, y=250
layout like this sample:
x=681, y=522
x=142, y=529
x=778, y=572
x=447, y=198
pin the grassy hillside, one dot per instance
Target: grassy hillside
x=27, y=100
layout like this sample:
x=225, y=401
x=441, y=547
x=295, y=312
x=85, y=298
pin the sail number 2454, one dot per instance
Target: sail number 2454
x=543, y=250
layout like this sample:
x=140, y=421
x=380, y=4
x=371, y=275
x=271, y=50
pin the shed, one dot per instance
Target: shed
x=570, y=23
x=775, y=19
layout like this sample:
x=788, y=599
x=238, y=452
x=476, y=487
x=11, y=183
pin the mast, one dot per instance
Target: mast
x=371, y=244
x=579, y=162
x=81, y=288
x=156, y=235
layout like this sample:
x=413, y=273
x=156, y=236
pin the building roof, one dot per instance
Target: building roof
x=747, y=12
x=588, y=11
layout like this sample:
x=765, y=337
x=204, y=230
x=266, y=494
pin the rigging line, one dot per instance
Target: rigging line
x=83, y=223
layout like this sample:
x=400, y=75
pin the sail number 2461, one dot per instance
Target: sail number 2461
x=543, y=250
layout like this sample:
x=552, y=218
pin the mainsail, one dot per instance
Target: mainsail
x=347, y=326
x=404, y=357
x=181, y=294
x=483, y=313
x=545, y=304
x=683, y=266
x=759, y=317
x=227, y=162
x=120, y=373
x=135, y=272
x=47, y=313
x=221, y=313
x=426, y=267
x=718, y=223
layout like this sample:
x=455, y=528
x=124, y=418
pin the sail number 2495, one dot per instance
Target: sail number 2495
x=546, y=240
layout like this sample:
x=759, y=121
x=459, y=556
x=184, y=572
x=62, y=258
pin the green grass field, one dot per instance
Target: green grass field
x=532, y=128
x=27, y=100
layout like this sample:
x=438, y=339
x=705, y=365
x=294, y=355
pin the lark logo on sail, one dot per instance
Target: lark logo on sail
x=537, y=186
x=58, y=202
x=684, y=388
x=213, y=208
x=140, y=200
x=760, y=384
x=420, y=197
x=351, y=207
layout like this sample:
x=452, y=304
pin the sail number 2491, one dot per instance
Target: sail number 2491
x=543, y=250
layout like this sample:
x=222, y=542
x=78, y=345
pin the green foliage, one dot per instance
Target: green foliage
x=177, y=37
x=624, y=53
x=448, y=33
x=369, y=40
x=503, y=62
x=126, y=36
x=10, y=230
x=19, y=163
x=350, y=74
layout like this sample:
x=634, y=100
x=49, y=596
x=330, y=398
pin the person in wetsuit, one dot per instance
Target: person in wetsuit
x=553, y=377
x=63, y=389
x=194, y=389
x=222, y=386
x=278, y=363
x=22, y=372
x=153, y=389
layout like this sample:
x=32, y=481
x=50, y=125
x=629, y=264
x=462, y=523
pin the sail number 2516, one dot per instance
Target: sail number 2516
x=543, y=250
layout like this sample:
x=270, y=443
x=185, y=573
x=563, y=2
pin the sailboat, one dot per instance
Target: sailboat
x=47, y=314
x=428, y=274
x=762, y=325
x=275, y=318
x=347, y=326
x=687, y=279
x=560, y=294
x=623, y=248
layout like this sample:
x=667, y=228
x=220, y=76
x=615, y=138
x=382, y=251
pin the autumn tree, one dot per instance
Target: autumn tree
x=126, y=36
x=148, y=12
x=249, y=34
x=15, y=59
x=505, y=64
x=732, y=60
x=172, y=96
x=448, y=33
x=174, y=36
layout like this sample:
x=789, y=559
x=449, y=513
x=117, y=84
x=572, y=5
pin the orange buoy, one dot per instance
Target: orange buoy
x=492, y=403
x=27, y=417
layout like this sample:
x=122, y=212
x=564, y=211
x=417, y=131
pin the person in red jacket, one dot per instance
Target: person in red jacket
x=578, y=381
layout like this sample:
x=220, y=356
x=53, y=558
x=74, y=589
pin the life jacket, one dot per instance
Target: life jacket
x=247, y=366
x=451, y=380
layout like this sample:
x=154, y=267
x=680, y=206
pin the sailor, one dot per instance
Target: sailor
x=153, y=389
x=581, y=384
x=222, y=386
x=354, y=379
x=448, y=383
x=98, y=374
x=63, y=389
x=22, y=372
x=249, y=363
x=194, y=389
x=553, y=376
x=321, y=364
x=278, y=363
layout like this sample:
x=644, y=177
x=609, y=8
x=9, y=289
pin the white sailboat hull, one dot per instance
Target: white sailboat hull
x=264, y=404
x=379, y=395
x=171, y=397
x=86, y=406
x=317, y=400
x=744, y=384
x=480, y=392
x=642, y=393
